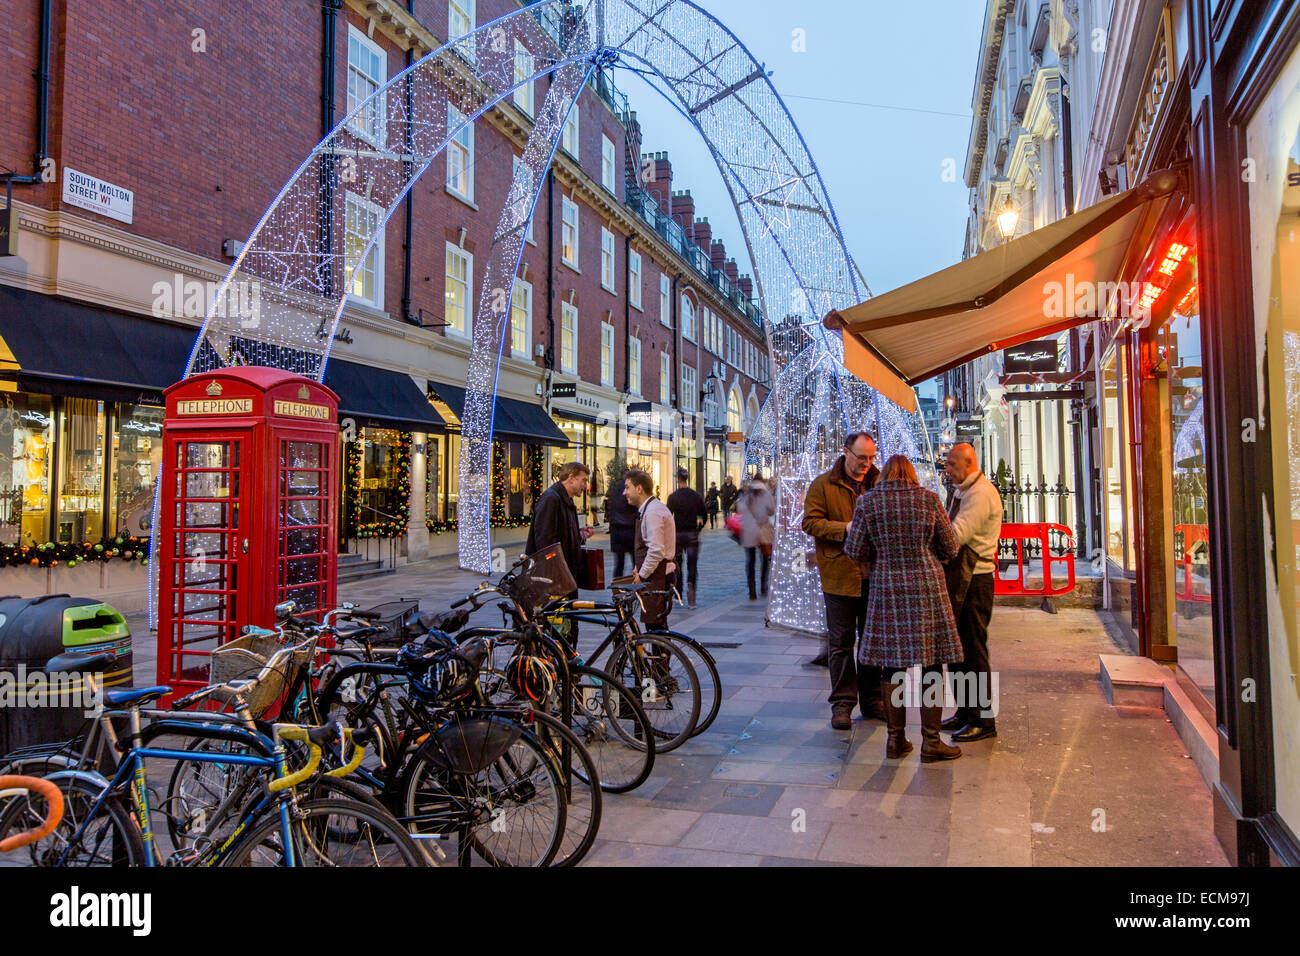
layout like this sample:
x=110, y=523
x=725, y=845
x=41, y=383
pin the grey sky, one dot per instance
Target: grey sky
x=882, y=167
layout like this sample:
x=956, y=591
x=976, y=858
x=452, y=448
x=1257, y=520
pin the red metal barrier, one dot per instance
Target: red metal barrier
x=1192, y=534
x=1020, y=533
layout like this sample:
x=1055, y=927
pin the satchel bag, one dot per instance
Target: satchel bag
x=592, y=561
x=765, y=538
x=958, y=573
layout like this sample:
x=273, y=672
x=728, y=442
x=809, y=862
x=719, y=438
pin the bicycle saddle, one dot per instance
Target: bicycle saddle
x=128, y=696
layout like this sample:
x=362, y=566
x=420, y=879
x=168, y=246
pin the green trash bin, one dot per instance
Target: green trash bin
x=33, y=630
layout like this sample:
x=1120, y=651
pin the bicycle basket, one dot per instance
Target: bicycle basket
x=243, y=659
x=545, y=575
x=471, y=744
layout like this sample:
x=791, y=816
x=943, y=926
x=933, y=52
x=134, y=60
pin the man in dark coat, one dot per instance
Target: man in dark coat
x=687, y=506
x=711, y=503
x=555, y=521
x=729, y=496
x=827, y=512
x=622, y=523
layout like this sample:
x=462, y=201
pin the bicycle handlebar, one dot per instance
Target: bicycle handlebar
x=53, y=809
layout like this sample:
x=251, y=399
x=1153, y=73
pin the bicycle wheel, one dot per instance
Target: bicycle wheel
x=512, y=812
x=111, y=838
x=204, y=799
x=582, y=813
x=329, y=831
x=706, y=668
x=659, y=673
x=609, y=721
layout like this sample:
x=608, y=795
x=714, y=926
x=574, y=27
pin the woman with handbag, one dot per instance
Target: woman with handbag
x=904, y=531
x=757, y=508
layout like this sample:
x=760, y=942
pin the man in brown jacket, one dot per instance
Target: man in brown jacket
x=827, y=512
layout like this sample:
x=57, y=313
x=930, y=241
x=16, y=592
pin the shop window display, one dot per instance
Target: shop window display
x=26, y=448
x=137, y=453
x=81, y=471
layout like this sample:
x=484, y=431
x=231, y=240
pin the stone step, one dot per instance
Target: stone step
x=356, y=567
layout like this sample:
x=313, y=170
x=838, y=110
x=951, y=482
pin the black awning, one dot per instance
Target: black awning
x=381, y=398
x=62, y=347
x=529, y=422
x=511, y=418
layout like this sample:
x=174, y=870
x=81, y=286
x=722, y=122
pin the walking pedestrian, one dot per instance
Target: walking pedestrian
x=711, y=504
x=976, y=513
x=622, y=520
x=757, y=508
x=687, y=506
x=827, y=510
x=729, y=494
x=654, y=545
x=903, y=530
x=555, y=521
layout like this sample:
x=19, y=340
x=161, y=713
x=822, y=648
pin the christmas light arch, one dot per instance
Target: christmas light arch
x=302, y=259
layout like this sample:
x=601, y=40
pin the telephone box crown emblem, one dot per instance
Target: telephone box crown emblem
x=303, y=392
x=214, y=388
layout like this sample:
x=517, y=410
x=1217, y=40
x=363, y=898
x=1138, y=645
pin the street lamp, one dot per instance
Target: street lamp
x=1008, y=219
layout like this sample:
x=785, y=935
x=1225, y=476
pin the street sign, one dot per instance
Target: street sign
x=565, y=390
x=87, y=192
x=1037, y=356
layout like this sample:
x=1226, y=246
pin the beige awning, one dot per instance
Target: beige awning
x=1002, y=297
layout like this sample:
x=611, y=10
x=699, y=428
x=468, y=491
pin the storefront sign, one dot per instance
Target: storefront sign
x=565, y=390
x=9, y=232
x=302, y=410
x=87, y=192
x=1037, y=356
x=968, y=428
x=215, y=406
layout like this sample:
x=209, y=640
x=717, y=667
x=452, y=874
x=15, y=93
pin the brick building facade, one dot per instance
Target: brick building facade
x=202, y=113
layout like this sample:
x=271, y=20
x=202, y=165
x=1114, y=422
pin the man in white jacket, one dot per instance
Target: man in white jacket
x=976, y=514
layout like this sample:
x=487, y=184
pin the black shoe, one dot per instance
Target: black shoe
x=973, y=732
x=954, y=723
x=818, y=661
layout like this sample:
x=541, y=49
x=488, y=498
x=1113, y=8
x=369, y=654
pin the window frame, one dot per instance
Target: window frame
x=608, y=354
x=375, y=137
x=608, y=261
x=665, y=378
x=572, y=121
x=528, y=232
x=687, y=325
x=608, y=155
x=454, y=143
x=450, y=329
x=471, y=16
x=634, y=280
x=567, y=310
x=665, y=301
x=523, y=95
x=364, y=204
x=687, y=400
x=634, y=365
x=576, y=227
x=527, y=289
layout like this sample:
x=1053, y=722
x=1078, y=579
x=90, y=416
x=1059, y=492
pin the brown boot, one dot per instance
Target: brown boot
x=896, y=745
x=932, y=746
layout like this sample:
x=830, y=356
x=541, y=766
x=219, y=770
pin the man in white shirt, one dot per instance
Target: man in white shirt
x=654, y=545
x=976, y=514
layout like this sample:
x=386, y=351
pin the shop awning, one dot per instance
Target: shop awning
x=512, y=419
x=58, y=347
x=1002, y=297
x=381, y=398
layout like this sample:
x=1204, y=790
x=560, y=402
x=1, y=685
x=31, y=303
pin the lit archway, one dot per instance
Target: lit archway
x=303, y=259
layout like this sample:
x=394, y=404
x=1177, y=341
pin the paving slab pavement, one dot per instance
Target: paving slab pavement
x=1068, y=781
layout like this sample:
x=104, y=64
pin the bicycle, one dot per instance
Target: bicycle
x=113, y=822
x=16, y=787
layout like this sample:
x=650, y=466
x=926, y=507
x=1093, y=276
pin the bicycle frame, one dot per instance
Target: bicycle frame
x=131, y=772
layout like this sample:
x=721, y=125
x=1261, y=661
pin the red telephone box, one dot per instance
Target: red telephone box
x=248, y=515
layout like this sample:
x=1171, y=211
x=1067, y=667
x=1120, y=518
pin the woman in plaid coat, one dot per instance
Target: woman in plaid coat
x=903, y=530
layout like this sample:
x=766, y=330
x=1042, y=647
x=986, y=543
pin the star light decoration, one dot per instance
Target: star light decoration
x=324, y=225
